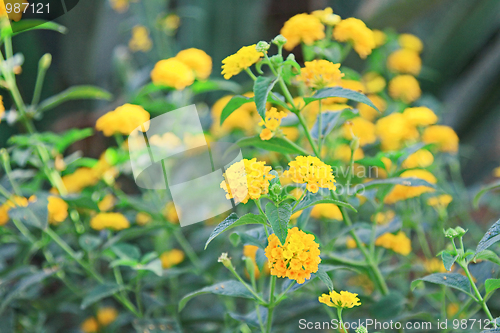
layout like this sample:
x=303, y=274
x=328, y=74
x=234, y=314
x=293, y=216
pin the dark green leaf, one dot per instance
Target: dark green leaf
x=491, y=285
x=233, y=221
x=340, y=92
x=490, y=237
x=231, y=288
x=448, y=259
x=328, y=122
x=154, y=266
x=101, y=291
x=324, y=277
x=81, y=201
x=279, y=218
x=31, y=24
x=36, y=214
x=316, y=198
x=126, y=251
x=493, y=186
x=89, y=242
x=251, y=318
x=76, y=92
x=325, y=268
x=72, y=136
x=276, y=144
x=388, y=306
x=452, y=280
x=233, y=104
x=214, y=85
x=488, y=255
x=371, y=161
x=261, y=88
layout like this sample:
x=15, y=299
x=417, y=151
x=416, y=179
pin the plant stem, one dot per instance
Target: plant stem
x=308, y=135
x=250, y=289
x=339, y=314
x=188, y=249
x=271, y=304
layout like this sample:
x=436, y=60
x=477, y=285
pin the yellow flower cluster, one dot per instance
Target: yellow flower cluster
x=395, y=130
x=327, y=16
x=123, y=120
x=296, y=259
x=303, y=28
x=120, y=6
x=404, y=61
x=271, y=123
x=405, y=88
x=312, y=171
x=420, y=116
x=355, y=31
x=198, y=61
x=420, y=159
x=107, y=203
x=115, y=221
x=360, y=128
x=384, y=217
x=140, y=40
x=171, y=258
x=243, y=118
x=143, y=218
x=343, y=300
x=247, y=179
x=434, y=265
x=58, y=210
x=241, y=60
x=326, y=210
x=402, y=192
x=370, y=113
x=170, y=213
x=172, y=73
x=85, y=177
x=318, y=74
x=440, y=202
x=250, y=251
x=443, y=136
x=399, y=243
x=410, y=42
x=105, y=316
x=15, y=201
x=343, y=152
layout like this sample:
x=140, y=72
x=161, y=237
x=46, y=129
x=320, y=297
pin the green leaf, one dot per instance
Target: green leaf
x=279, y=218
x=389, y=306
x=276, y=144
x=488, y=255
x=398, y=181
x=154, y=266
x=261, y=88
x=126, y=251
x=233, y=104
x=448, y=259
x=340, y=92
x=324, y=277
x=31, y=24
x=491, y=285
x=89, y=242
x=214, y=85
x=72, y=136
x=371, y=161
x=233, y=221
x=328, y=122
x=403, y=155
x=35, y=214
x=490, y=237
x=231, y=288
x=316, y=198
x=325, y=268
x=123, y=262
x=99, y=292
x=81, y=201
x=494, y=186
x=77, y=92
x=452, y=280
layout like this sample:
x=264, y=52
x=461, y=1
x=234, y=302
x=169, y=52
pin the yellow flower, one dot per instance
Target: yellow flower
x=380, y=37
x=360, y=128
x=344, y=300
x=327, y=16
x=327, y=210
x=399, y=243
x=115, y=221
x=394, y=130
x=402, y=192
x=80, y=179
x=123, y=120
x=170, y=213
x=404, y=61
x=90, y=325
x=4, y=214
x=312, y=171
x=303, y=28
x=171, y=22
x=350, y=243
x=347, y=84
x=296, y=259
x=143, y=218
x=443, y=136
x=198, y=61
x=241, y=60
x=410, y=42
x=318, y=74
x=250, y=251
x=441, y=201
x=434, y=265
x=172, y=73
x=106, y=316
x=2, y=108
x=405, y=88
x=271, y=123
x=291, y=133
x=420, y=159
x=13, y=202
x=496, y=172
x=121, y=6
x=140, y=40
x=356, y=32
x=370, y=113
x=374, y=82
x=420, y=116
x=343, y=152
x=171, y=258
x=244, y=118
x=384, y=217
x=247, y=179
x=452, y=309
x=107, y=203
x=58, y=210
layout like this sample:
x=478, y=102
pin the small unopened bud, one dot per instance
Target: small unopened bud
x=291, y=57
x=279, y=40
x=460, y=231
x=361, y=329
x=45, y=61
x=276, y=189
x=225, y=260
x=450, y=233
x=262, y=46
x=331, y=19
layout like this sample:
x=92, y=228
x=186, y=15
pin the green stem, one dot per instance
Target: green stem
x=339, y=314
x=271, y=304
x=257, y=203
x=300, y=199
x=250, y=73
x=250, y=289
x=188, y=249
x=308, y=135
x=320, y=128
x=424, y=244
x=296, y=146
x=43, y=65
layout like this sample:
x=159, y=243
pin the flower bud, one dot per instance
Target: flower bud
x=276, y=189
x=262, y=46
x=361, y=329
x=450, y=233
x=225, y=260
x=45, y=61
x=460, y=231
x=279, y=40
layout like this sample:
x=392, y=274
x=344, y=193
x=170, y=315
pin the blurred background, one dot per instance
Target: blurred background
x=461, y=56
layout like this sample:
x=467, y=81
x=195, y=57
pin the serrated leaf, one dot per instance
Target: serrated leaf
x=452, y=280
x=261, y=89
x=73, y=93
x=477, y=197
x=448, y=259
x=279, y=218
x=260, y=258
x=340, y=92
x=234, y=103
x=276, y=144
x=490, y=237
x=488, y=255
x=99, y=292
x=316, y=198
x=328, y=122
x=35, y=214
x=233, y=221
x=324, y=277
x=231, y=288
x=491, y=285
